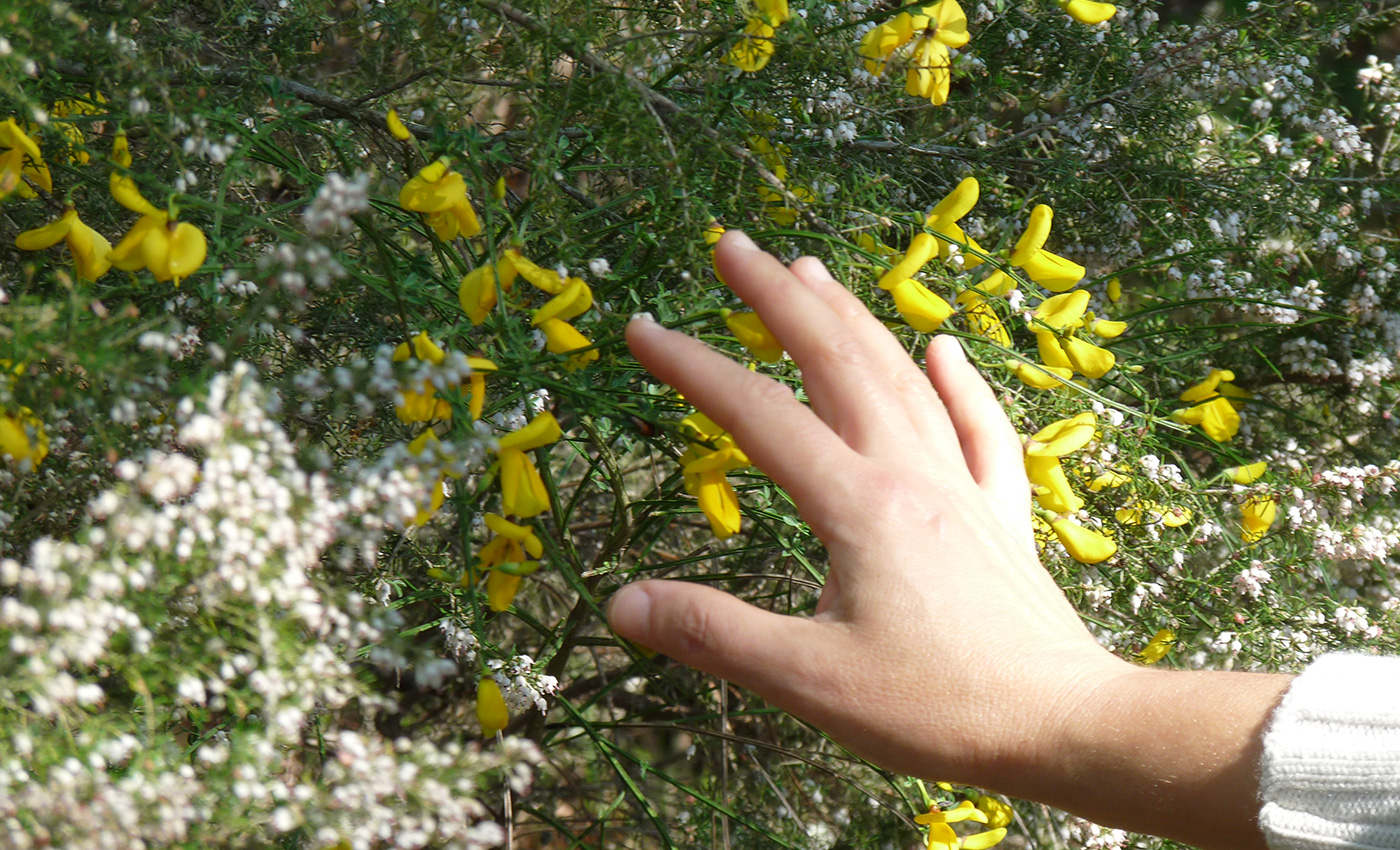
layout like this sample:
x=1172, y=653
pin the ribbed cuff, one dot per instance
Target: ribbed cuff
x=1331, y=771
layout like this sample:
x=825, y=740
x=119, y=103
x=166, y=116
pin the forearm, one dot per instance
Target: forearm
x=1170, y=753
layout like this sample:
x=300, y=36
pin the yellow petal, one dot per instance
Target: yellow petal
x=12, y=136
x=47, y=236
x=573, y=301
x=501, y=588
x=1067, y=435
x=562, y=338
x=523, y=534
x=540, y=432
x=1052, y=271
x=523, y=493
x=982, y=319
x=955, y=204
x=1217, y=417
x=477, y=293
x=491, y=710
x=1033, y=239
x=396, y=127
x=1107, y=479
x=1052, y=352
x=713, y=231
x=999, y=814
x=754, y=48
x=1088, y=359
x=1061, y=311
x=776, y=11
x=878, y=43
x=1083, y=544
x=433, y=189
x=1207, y=388
x=1158, y=647
x=1040, y=377
x=465, y=216
x=983, y=840
x=174, y=251
x=127, y=256
x=749, y=329
x=545, y=280
x=1257, y=514
x=1089, y=11
x=930, y=72
x=997, y=283
x=90, y=250
x=1115, y=290
x=1249, y=473
x=921, y=309
x=1051, y=487
x=921, y=250
x=719, y=503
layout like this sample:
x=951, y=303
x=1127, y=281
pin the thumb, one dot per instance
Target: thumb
x=790, y=661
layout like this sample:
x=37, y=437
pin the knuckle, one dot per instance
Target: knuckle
x=767, y=392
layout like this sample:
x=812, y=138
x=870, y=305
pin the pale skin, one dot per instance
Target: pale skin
x=940, y=647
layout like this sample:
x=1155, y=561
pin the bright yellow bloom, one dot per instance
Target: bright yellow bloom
x=441, y=195
x=1061, y=312
x=942, y=837
x=72, y=133
x=921, y=249
x=417, y=446
x=754, y=48
x=930, y=73
x=476, y=385
x=1051, y=271
x=998, y=814
x=1217, y=417
x=1108, y=479
x=1067, y=435
x=1084, y=544
x=982, y=319
x=421, y=405
x=776, y=11
x=749, y=329
x=504, y=558
x=1040, y=377
x=523, y=493
x=1087, y=359
x=560, y=337
x=1158, y=647
x=1115, y=290
x=396, y=127
x=704, y=471
x=1104, y=327
x=20, y=158
x=1249, y=473
x=171, y=250
x=89, y=248
x=921, y=309
x=23, y=441
x=1050, y=486
x=477, y=293
x=1257, y=514
x=937, y=26
x=491, y=710
x=571, y=302
x=996, y=283
x=545, y=280
x=1145, y=511
x=1089, y=11
x=713, y=231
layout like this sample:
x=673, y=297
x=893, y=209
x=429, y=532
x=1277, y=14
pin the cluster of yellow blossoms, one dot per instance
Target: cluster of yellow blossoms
x=987, y=810
x=23, y=441
x=933, y=29
x=169, y=248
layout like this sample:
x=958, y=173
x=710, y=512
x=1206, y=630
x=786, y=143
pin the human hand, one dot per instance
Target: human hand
x=940, y=647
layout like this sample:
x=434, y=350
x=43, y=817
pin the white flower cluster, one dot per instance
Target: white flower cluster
x=335, y=202
x=521, y=684
x=201, y=580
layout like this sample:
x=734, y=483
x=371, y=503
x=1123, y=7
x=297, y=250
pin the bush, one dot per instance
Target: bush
x=321, y=449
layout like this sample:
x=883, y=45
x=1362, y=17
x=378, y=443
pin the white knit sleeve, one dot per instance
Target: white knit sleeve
x=1331, y=771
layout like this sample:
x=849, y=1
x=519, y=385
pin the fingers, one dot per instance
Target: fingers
x=782, y=436
x=989, y=442
x=909, y=383
x=788, y=660
x=841, y=373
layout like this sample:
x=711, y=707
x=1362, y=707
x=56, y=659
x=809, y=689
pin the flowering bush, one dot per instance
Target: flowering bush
x=320, y=450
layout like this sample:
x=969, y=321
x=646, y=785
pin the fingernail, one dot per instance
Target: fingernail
x=643, y=316
x=629, y=611
x=740, y=239
x=956, y=347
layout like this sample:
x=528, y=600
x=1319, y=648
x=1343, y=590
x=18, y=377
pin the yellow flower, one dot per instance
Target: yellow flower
x=942, y=837
x=882, y=41
x=776, y=11
x=1050, y=486
x=1089, y=11
x=1067, y=435
x=921, y=249
x=421, y=405
x=23, y=441
x=1140, y=511
x=476, y=385
x=1051, y=271
x=982, y=319
x=441, y=195
x=523, y=493
x=560, y=337
x=920, y=308
x=704, y=471
x=930, y=73
x=1115, y=290
x=1060, y=312
x=396, y=127
x=89, y=248
x=171, y=250
x=1040, y=377
x=998, y=814
x=1257, y=514
x=1158, y=647
x=1108, y=479
x=1104, y=327
x=749, y=329
x=1249, y=473
x=491, y=710
x=545, y=280
x=20, y=158
x=754, y=48
x=504, y=558
x=477, y=292
x=713, y=231
x=1083, y=544
x=571, y=302
x=417, y=446
x=1216, y=417
x=943, y=221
